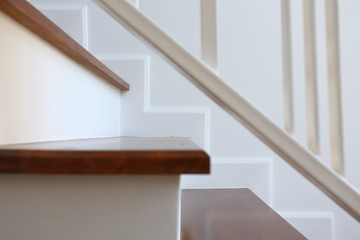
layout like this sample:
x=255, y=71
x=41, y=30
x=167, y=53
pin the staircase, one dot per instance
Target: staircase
x=105, y=188
x=140, y=116
x=121, y=155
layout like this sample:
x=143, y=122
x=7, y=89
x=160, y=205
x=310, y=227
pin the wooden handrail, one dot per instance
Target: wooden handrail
x=28, y=16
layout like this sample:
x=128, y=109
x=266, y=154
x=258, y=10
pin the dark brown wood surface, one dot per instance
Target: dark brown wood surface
x=28, y=16
x=121, y=155
x=231, y=214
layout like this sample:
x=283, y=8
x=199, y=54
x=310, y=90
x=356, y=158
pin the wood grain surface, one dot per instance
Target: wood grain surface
x=121, y=155
x=28, y=16
x=231, y=214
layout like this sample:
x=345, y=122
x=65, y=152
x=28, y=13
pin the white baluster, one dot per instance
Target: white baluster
x=335, y=121
x=287, y=67
x=312, y=119
x=209, y=33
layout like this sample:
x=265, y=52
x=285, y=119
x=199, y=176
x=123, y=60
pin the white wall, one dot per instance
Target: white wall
x=162, y=102
x=350, y=73
x=46, y=96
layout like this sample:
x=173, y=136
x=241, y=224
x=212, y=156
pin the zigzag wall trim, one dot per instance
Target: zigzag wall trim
x=83, y=11
x=147, y=107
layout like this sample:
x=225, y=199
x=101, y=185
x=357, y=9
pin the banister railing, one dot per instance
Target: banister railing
x=305, y=162
x=311, y=81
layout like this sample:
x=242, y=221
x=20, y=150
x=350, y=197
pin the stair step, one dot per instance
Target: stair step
x=117, y=155
x=231, y=214
x=31, y=18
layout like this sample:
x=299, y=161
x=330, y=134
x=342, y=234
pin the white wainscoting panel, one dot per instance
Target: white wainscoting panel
x=140, y=119
x=72, y=19
x=254, y=174
x=305, y=222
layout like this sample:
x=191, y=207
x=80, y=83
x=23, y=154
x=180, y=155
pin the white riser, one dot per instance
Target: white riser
x=89, y=207
x=46, y=96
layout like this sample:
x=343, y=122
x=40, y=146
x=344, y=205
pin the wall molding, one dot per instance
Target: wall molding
x=72, y=7
x=312, y=215
x=262, y=186
x=147, y=107
x=268, y=161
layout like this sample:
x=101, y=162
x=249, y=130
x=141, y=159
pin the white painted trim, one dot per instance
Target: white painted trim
x=306, y=163
x=85, y=27
x=240, y=160
x=306, y=214
x=149, y=109
x=147, y=79
x=247, y=187
x=233, y=188
x=178, y=237
x=267, y=161
x=284, y=214
x=147, y=99
x=288, y=100
x=271, y=183
x=84, y=17
x=114, y=57
x=204, y=111
x=312, y=215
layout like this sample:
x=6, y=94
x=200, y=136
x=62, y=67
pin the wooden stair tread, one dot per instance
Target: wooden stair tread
x=31, y=18
x=117, y=155
x=231, y=214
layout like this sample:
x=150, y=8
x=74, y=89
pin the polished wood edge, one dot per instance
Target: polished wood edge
x=28, y=16
x=104, y=162
x=231, y=214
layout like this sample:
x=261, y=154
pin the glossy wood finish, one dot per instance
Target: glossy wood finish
x=28, y=16
x=121, y=155
x=231, y=214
